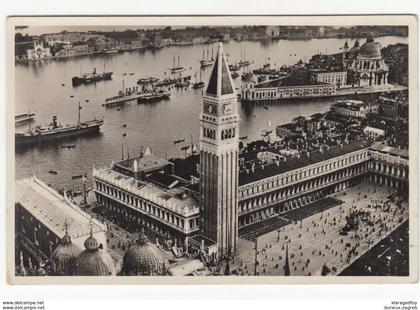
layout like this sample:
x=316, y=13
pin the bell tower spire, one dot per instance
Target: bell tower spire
x=219, y=151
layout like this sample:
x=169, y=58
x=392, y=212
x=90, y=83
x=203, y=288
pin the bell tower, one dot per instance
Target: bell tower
x=219, y=149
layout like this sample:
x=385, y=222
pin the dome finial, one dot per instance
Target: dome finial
x=142, y=238
x=369, y=38
x=91, y=226
x=66, y=226
x=91, y=243
x=66, y=238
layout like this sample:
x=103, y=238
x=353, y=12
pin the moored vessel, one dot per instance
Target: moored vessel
x=177, y=68
x=91, y=77
x=56, y=131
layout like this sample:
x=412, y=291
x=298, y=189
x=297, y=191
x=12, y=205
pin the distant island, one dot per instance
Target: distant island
x=72, y=43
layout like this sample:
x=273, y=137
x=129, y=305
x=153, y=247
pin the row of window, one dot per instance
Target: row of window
x=296, y=189
x=290, y=92
x=143, y=205
x=228, y=133
x=280, y=181
x=208, y=118
x=209, y=133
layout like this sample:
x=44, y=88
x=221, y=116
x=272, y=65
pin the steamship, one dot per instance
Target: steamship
x=56, y=131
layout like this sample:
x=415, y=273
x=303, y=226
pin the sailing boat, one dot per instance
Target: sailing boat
x=205, y=62
x=243, y=61
x=197, y=84
x=177, y=68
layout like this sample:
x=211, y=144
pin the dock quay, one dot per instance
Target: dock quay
x=273, y=95
x=134, y=93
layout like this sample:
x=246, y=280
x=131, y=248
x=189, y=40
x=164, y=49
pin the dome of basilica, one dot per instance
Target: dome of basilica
x=94, y=261
x=64, y=257
x=370, y=49
x=141, y=259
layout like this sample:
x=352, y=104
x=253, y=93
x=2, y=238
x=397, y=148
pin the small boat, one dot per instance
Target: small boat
x=166, y=82
x=78, y=176
x=182, y=84
x=52, y=172
x=147, y=80
x=68, y=146
x=110, y=51
x=177, y=68
x=262, y=78
x=243, y=61
x=63, y=84
x=124, y=126
x=234, y=67
x=198, y=84
x=247, y=76
x=265, y=107
x=25, y=117
x=179, y=140
x=154, y=95
x=243, y=138
x=206, y=61
x=185, y=147
x=265, y=133
x=132, y=73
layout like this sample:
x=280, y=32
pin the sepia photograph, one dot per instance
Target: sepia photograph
x=212, y=149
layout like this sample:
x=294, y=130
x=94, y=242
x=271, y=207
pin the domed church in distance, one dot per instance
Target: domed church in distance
x=367, y=63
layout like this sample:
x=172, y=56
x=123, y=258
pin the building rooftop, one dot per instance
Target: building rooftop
x=288, y=81
x=164, y=180
x=293, y=163
x=385, y=149
x=186, y=167
x=172, y=199
x=350, y=103
x=54, y=210
x=145, y=163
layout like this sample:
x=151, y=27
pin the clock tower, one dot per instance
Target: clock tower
x=219, y=148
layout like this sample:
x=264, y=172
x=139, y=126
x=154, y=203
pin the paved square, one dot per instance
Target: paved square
x=316, y=240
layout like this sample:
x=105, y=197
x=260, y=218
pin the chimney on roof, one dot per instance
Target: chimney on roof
x=298, y=155
x=277, y=162
x=308, y=154
x=247, y=171
x=262, y=166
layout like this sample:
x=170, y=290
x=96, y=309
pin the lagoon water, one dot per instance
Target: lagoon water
x=45, y=88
